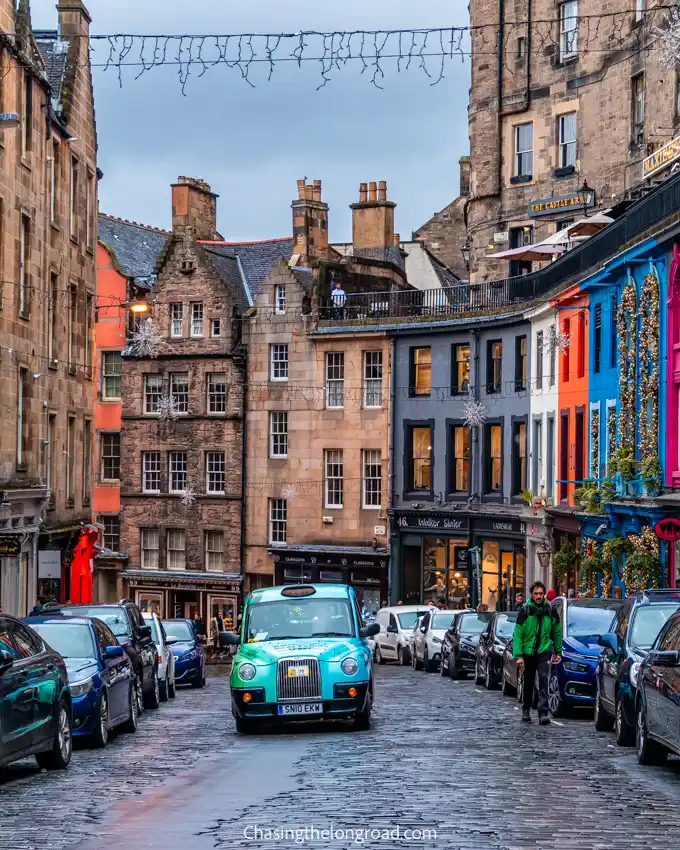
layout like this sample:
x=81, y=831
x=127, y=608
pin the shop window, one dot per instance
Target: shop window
x=490, y=574
x=419, y=458
x=519, y=458
x=493, y=460
x=494, y=366
x=421, y=371
x=520, y=363
x=459, y=459
x=434, y=570
x=460, y=362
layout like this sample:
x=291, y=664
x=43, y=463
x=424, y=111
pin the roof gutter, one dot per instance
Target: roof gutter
x=246, y=288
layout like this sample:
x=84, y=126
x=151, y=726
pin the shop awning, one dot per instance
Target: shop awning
x=162, y=576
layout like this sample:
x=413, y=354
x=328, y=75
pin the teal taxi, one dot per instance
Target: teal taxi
x=302, y=655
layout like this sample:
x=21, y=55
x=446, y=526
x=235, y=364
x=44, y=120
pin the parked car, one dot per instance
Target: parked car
x=658, y=708
x=125, y=621
x=584, y=621
x=490, y=648
x=428, y=637
x=460, y=643
x=189, y=653
x=35, y=701
x=302, y=655
x=166, y=660
x=394, y=640
x=632, y=634
x=100, y=675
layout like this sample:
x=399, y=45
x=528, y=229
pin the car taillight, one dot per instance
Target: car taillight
x=160, y=659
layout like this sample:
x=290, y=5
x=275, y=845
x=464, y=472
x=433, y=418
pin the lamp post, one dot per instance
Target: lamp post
x=544, y=553
x=589, y=197
x=465, y=251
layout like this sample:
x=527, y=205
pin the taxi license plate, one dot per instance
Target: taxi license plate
x=298, y=672
x=301, y=708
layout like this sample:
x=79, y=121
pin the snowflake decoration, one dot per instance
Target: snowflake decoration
x=474, y=414
x=558, y=342
x=289, y=492
x=188, y=497
x=167, y=408
x=146, y=340
x=668, y=41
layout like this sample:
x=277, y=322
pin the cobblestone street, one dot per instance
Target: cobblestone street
x=441, y=755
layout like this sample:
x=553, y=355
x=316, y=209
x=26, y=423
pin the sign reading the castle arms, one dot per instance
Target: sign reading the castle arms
x=549, y=206
x=9, y=547
x=661, y=159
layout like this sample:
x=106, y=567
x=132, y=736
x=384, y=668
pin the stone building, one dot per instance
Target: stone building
x=48, y=240
x=572, y=105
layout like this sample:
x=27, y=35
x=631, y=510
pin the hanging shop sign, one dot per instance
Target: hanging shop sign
x=9, y=547
x=329, y=559
x=432, y=522
x=668, y=529
x=49, y=563
x=661, y=159
x=550, y=206
x=461, y=559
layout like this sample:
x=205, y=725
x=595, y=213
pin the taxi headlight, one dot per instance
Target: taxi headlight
x=349, y=666
x=246, y=672
x=78, y=689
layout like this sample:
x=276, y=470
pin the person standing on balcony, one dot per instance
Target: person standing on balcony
x=338, y=298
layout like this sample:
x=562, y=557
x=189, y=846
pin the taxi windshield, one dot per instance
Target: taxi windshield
x=296, y=619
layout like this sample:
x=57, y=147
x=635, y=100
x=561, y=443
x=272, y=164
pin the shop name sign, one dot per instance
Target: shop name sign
x=512, y=526
x=10, y=547
x=439, y=523
x=668, y=529
x=548, y=206
x=661, y=159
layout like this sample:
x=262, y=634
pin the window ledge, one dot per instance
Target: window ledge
x=75, y=239
x=24, y=316
x=52, y=365
x=72, y=369
x=55, y=226
x=492, y=497
x=22, y=467
x=521, y=178
x=419, y=496
x=26, y=162
x=70, y=503
x=564, y=171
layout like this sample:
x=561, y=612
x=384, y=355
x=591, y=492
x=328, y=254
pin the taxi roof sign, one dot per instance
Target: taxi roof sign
x=299, y=590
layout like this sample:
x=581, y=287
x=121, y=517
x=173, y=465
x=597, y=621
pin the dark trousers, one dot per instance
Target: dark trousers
x=536, y=664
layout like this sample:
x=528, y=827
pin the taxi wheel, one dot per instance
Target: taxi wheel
x=245, y=727
x=362, y=719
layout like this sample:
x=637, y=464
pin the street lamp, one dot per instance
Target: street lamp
x=589, y=197
x=138, y=307
x=465, y=251
x=544, y=552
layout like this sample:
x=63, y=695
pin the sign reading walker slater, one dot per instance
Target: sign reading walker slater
x=661, y=159
x=550, y=206
x=432, y=522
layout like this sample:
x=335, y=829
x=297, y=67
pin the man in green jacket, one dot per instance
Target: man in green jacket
x=536, y=642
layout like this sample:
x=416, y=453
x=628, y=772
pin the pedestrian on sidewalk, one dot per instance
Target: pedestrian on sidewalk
x=537, y=641
x=551, y=595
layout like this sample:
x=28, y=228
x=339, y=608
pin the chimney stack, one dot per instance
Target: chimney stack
x=74, y=19
x=194, y=206
x=373, y=218
x=310, y=223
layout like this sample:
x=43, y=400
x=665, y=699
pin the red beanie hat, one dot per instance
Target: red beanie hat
x=550, y=595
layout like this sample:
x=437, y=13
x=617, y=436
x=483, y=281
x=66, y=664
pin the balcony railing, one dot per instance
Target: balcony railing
x=509, y=292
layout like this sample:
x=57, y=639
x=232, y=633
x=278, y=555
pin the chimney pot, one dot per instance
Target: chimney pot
x=317, y=190
x=301, y=189
x=397, y=240
x=382, y=191
x=363, y=193
x=372, y=192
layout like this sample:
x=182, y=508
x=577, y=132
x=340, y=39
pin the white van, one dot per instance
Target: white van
x=394, y=641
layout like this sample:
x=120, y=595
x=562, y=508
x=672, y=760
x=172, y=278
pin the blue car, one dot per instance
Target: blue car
x=573, y=682
x=188, y=651
x=100, y=675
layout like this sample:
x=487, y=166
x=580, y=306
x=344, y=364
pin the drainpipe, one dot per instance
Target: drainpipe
x=394, y=549
x=244, y=457
x=474, y=478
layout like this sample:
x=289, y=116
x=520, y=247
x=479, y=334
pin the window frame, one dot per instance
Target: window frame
x=278, y=435
x=597, y=338
x=169, y=538
x=567, y=150
x=110, y=457
x=365, y=479
x=568, y=30
x=519, y=472
x=538, y=382
x=107, y=375
x=523, y=156
x=414, y=368
x=174, y=318
x=537, y=454
x=181, y=398
x=452, y=426
x=213, y=395
x=373, y=386
x=215, y=327
x=281, y=520
x=280, y=299
x=214, y=455
x=521, y=363
x=143, y=562
x=337, y=460
x=174, y=459
x=147, y=456
x=487, y=493
x=494, y=387
x=277, y=363
x=459, y=387
x=409, y=477
x=207, y=551
x=638, y=107
x=335, y=386
x=102, y=519
x=74, y=185
x=195, y=306
x=147, y=378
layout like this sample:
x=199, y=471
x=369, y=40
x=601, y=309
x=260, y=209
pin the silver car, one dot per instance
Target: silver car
x=394, y=641
x=166, y=660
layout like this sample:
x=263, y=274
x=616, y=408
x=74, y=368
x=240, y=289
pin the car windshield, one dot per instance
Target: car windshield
x=297, y=619
x=114, y=618
x=442, y=620
x=70, y=640
x=474, y=624
x=505, y=626
x=408, y=619
x=647, y=623
x=179, y=629
x=588, y=621
x=151, y=623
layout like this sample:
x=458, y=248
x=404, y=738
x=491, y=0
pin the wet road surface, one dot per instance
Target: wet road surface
x=446, y=765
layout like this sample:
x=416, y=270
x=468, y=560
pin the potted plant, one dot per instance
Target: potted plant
x=650, y=472
x=625, y=466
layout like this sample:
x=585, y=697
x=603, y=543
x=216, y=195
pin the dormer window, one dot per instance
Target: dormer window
x=280, y=300
x=187, y=266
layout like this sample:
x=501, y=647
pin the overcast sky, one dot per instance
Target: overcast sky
x=252, y=145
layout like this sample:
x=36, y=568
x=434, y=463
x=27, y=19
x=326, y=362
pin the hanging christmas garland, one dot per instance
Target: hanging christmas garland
x=643, y=565
x=611, y=441
x=649, y=367
x=591, y=564
x=595, y=443
x=627, y=331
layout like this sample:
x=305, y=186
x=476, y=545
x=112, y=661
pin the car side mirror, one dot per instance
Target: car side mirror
x=6, y=660
x=609, y=641
x=392, y=630
x=230, y=639
x=369, y=631
x=113, y=652
x=144, y=632
x=669, y=658
x=170, y=639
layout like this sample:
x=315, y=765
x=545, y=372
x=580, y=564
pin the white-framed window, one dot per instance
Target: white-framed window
x=153, y=391
x=333, y=472
x=278, y=433
x=149, y=547
x=215, y=472
x=111, y=532
x=638, y=95
x=280, y=299
x=24, y=264
x=112, y=371
x=567, y=134
x=278, y=361
x=179, y=391
x=151, y=472
x=176, y=320
x=177, y=472
x=217, y=392
x=371, y=479
x=373, y=378
x=568, y=30
x=110, y=456
x=197, y=318
x=278, y=521
x=335, y=379
x=524, y=149
x=176, y=541
x=216, y=327
x=214, y=551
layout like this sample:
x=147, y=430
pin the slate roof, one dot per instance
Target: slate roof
x=229, y=271
x=256, y=258
x=304, y=276
x=136, y=247
x=386, y=255
x=443, y=272
x=54, y=52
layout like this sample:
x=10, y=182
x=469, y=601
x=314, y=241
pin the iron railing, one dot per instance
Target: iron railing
x=491, y=296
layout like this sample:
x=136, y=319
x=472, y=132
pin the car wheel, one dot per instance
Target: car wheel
x=400, y=657
x=453, y=673
x=153, y=699
x=200, y=682
x=58, y=757
x=647, y=751
x=378, y=655
x=625, y=735
x=489, y=681
x=362, y=719
x=172, y=689
x=555, y=702
x=245, y=727
x=601, y=718
x=506, y=687
x=417, y=665
x=478, y=676
x=132, y=722
x=165, y=689
x=427, y=664
x=100, y=736
x=443, y=668
x=139, y=694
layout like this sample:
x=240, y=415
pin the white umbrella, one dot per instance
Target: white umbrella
x=589, y=226
x=530, y=253
x=562, y=238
